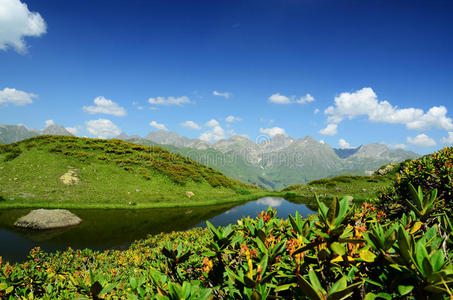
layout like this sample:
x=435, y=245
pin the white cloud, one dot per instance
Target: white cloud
x=231, y=119
x=331, y=129
x=102, y=128
x=365, y=102
x=105, y=106
x=72, y=130
x=222, y=94
x=316, y=111
x=14, y=96
x=49, y=123
x=169, y=100
x=191, y=125
x=273, y=131
x=215, y=134
x=449, y=139
x=212, y=123
x=17, y=22
x=282, y=99
x=158, y=126
x=421, y=140
x=435, y=117
x=306, y=99
x=322, y=142
x=343, y=144
x=279, y=99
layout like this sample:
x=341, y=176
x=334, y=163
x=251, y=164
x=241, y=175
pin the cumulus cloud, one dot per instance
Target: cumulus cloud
x=305, y=99
x=449, y=139
x=225, y=95
x=102, y=128
x=331, y=129
x=214, y=134
x=231, y=119
x=16, y=23
x=158, y=126
x=16, y=97
x=49, y=123
x=273, y=131
x=212, y=123
x=421, y=140
x=365, y=102
x=169, y=100
x=105, y=106
x=343, y=144
x=316, y=111
x=191, y=125
x=279, y=99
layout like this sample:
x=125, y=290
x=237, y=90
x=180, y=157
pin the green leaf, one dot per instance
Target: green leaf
x=308, y=289
x=338, y=248
x=133, y=283
x=339, y=285
x=437, y=260
x=212, y=229
x=405, y=289
x=322, y=209
x=3, y=286
x=367, y=255
x=314, y=280
x=295, y=225
x=344, y=293
x=285, y=287
x=344, y=205
x=332, y=213
x=420, y=254
x=9, y=289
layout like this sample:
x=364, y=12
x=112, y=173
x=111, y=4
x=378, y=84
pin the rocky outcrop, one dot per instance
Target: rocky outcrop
x=48, y=219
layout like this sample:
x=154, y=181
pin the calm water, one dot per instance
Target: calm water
x=107, y=229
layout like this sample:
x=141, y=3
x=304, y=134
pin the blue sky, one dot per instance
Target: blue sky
x=384, y=67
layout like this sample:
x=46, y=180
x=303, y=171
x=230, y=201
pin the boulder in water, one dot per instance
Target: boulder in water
x=48, y=219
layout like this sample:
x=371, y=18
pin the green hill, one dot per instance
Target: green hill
x=67, y=171
x=361, y=188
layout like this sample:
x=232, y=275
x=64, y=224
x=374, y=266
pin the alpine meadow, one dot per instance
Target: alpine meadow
x=226, y=149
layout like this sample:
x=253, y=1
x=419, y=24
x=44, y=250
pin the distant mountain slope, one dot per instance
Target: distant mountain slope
x=15, y=133
x=279, y=162
x=61, y=171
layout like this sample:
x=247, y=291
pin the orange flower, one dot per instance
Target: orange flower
x=207, y=265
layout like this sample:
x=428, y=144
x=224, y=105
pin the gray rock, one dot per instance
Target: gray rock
x=48, y=219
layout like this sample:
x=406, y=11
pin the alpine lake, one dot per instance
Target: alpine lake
x=117, y=228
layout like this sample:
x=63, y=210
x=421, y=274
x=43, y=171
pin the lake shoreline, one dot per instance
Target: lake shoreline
x=244, y=198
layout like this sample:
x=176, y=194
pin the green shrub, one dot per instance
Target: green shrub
x=434, y=171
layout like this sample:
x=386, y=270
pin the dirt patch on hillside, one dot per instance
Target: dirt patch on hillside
x=70, y=177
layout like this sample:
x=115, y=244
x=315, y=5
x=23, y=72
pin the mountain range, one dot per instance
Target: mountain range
x=274, y=163
x=277, y=162
x=15, y=133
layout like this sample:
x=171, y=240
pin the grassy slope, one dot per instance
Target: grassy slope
x=359, y=187
x=112, y=174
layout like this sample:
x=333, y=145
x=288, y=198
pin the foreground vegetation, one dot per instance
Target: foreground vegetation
x=73, y=172
x=378, y=250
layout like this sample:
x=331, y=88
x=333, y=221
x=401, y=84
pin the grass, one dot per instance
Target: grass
x=111, y=174
x=359, y=187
